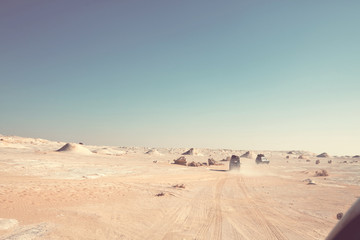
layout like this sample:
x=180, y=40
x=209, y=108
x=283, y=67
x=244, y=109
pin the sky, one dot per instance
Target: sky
x=277, y=75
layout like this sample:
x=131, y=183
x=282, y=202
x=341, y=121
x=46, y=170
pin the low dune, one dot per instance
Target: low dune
x=74, y=148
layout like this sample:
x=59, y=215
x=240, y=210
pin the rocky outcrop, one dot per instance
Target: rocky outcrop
x=191, y=151
x=211, y=161
x=248, y=154
x=323, y=155
x=180, y=161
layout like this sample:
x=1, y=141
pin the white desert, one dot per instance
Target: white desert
x=57, y=190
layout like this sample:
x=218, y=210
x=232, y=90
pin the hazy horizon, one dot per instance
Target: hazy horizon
x=236, y=74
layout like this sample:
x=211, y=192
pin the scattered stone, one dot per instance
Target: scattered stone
x=155, y=161
x=204, y=163
x=291, y=152
x=330, y=161
x=287, y=157
x=321, y=173
x=160, y=194
x=345, y=162
x=339, y=215
x=309, y=181
x=323, y=155
x=180, y=161
x=211, y=161
x=179, y=186
x=317, y=161
x=194, y=164
x=307, y=160
x=81, y=143
x=301, y=157
x=356, y=156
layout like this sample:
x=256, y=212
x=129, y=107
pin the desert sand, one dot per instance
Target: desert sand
x=104, y=192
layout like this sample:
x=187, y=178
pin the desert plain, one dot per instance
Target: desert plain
x=104, y=192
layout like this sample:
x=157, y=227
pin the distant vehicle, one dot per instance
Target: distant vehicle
x=234, y=163
x=261, y=159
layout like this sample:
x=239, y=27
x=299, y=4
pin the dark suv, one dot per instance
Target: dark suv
x=234, y=162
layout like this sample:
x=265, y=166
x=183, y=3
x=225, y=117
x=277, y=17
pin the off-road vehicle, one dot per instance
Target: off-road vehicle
x=261, y=159
x=234, y=163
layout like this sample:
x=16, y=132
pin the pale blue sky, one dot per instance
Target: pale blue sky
x=220, y=74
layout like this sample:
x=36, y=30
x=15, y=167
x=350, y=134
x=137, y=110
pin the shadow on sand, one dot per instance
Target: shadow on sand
x=219, y=170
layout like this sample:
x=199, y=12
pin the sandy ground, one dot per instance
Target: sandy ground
x=111, y=194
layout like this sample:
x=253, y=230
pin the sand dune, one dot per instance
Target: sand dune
x=153, y=152
x=74, y=148
x=109, y=151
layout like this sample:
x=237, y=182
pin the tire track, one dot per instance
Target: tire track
x=288, y=217
x=161, y=227
x=266, y=225
x=218, y=211
x=214, y=215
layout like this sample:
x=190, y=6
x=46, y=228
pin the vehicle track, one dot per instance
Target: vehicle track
x=266, y=226
x=285, y=216
x=217, y=219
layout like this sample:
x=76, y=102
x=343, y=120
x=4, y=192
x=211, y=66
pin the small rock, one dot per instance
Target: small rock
x=194, y=164
x=339, y=215
x=321, y=173
x=160, y=194
x=311, y=182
